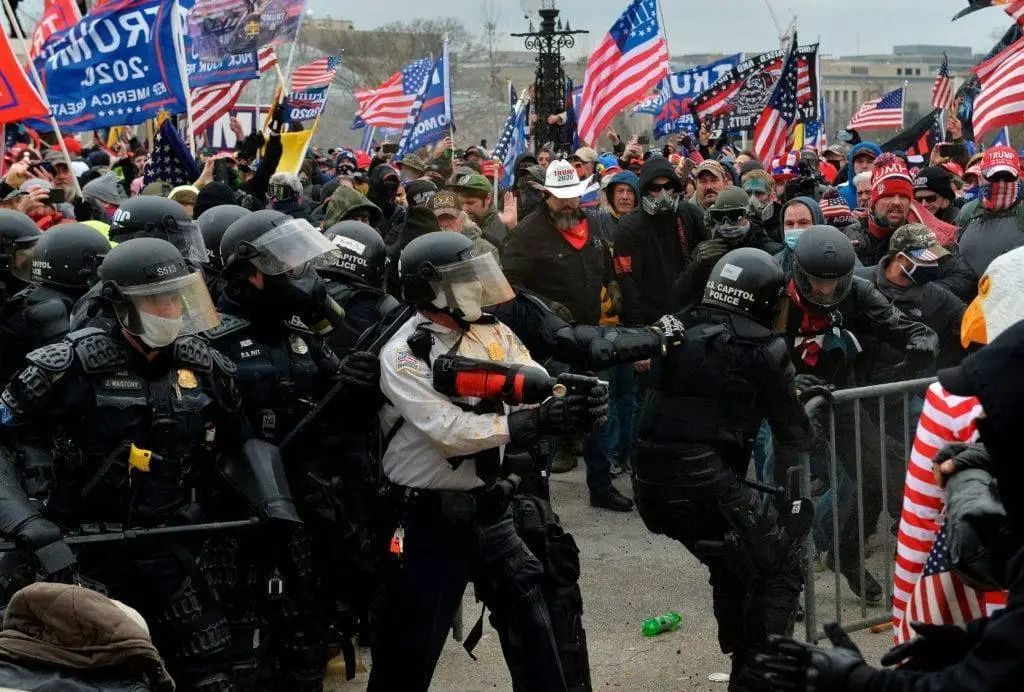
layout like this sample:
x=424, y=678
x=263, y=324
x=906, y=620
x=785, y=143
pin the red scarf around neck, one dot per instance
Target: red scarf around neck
x=811, y=335
x=577, y=235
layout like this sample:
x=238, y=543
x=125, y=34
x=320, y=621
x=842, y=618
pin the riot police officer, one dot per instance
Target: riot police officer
x=158, y=217
x=212, y=224
x=131, y=420
x=17, y=235
x=62, y=267
x=443, y=461
x=355, y=280
x=706, y=401
x=276, y=315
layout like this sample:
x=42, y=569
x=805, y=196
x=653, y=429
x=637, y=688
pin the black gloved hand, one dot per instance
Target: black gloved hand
x=46, y=541
x=934, y=648
x=279, y=116
x=802, y=667
x=360, y=369
x=710, y=250
x=918, y=356
x=555, y=415
x=809, y=386
x=672, y=330
x=964, y=456
x=597, y=404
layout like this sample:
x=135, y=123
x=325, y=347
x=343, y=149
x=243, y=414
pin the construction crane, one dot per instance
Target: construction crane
x=784, y=36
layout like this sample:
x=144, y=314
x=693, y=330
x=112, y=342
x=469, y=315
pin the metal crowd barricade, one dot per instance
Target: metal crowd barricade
x=817, y=408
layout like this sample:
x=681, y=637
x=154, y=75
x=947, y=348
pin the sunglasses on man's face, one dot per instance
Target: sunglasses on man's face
x=727, y=215
x=658, y=187
x=927, y=199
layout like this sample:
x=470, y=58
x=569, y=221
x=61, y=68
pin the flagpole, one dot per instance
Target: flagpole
x=179, y=49
x=42, y=95
x=291, y=57
x=903, y=104
x=447, y=88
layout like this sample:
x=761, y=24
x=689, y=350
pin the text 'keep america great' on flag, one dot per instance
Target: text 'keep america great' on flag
x=630, y=60
x=388, y=104
x=880, y=113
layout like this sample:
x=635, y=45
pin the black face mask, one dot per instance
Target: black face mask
x=287, y=294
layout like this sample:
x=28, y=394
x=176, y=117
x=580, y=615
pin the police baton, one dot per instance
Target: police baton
x=136, y=534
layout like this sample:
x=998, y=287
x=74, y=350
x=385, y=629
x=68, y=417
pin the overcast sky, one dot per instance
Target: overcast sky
x=844, y=27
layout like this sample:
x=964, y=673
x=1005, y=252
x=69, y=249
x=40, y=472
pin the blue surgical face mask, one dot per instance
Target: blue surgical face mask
x=791, y=236
x=971, y=192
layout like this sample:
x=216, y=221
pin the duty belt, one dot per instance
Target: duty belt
x=481, y=506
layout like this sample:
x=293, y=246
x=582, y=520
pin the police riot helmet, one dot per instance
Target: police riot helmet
x=18, y=233
x=157, y=295
x=748, y=282
x=443, y=270
x=149, y=216
x=823, y=266
x=67, y=256
x=212, y=224
x=274, y=243
x=362, y=254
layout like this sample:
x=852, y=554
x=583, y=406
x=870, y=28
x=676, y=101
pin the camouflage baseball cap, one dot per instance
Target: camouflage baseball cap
x=918, y=242
x=445, y=202
x=413, y=163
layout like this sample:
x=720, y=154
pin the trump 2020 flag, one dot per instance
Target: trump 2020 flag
x=18, y=98
x=630, y=60
x=431, y=116
x=58, y=15
x=118, y=66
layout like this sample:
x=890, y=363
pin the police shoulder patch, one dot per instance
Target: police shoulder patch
x=406, y=361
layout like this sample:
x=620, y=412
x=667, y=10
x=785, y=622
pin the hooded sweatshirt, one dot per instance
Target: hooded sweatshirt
x=379, y=194
x=344, y=202
x=605, y=223
x=652, y=251
x=104, y=190
x=785, y=256
x=847, y=189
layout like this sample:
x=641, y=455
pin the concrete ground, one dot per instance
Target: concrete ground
x=628, y=575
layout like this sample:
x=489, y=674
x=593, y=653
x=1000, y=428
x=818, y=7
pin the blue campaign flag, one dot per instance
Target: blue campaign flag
x=118, y=66
x=671, y=104
x=430, y=119
x=231, y=68
x=512, y=142
x=307, y=104
x=1003, y=138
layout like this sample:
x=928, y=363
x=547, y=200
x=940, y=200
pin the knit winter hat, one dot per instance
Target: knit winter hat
x=890, y=177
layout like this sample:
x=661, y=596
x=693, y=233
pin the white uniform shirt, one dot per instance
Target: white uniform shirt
x=435, y=429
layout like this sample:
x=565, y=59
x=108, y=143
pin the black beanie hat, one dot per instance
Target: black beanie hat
x=418, y=221
x=935, y=179
x=419, y=192
x=213, y=195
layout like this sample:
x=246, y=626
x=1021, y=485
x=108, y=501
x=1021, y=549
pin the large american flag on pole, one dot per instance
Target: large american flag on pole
x=942, y=91
x=883, y=112
x=209, y=103
x=771, y=134
x=1001, y=99
x=319, y=73
x=388, y=104
x=630, y=60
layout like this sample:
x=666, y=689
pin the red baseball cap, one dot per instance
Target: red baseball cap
x=1000, y=160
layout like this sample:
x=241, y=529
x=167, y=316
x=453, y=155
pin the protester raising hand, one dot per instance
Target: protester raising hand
x=509, y=214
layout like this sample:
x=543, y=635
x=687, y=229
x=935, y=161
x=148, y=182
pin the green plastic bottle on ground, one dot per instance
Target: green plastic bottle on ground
x=666, y=622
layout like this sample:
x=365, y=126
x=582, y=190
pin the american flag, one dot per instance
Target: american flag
x=882, y=112
x=773, y=127
x=388, y=104
x=1015, y=8
x=318, y=73
x=942, y=91
x=171, y=161
x=209, y=103
x=512, y=142
x=630, y=60
x=939, y=597
x=999, y=102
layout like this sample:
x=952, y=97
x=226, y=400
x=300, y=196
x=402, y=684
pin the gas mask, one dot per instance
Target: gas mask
x=301, y=293
x=764, y=211
x=664, y=202
x=462, y=300
x=157, y=331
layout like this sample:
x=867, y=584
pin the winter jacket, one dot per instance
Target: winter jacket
x=260, y=181
x=872, y=320
x=298, y=208
x=848, y=190
x=344, y=202
x=689, y=287
x=72, y=639
x=494, y=231
x=651, y=252
x=538, y=258
x=987, y=235
x=931, y=304
x=480, y=244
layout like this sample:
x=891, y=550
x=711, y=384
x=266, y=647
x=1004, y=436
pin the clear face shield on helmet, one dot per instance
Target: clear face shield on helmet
x=158, y=313
x=188, y=238
x=290, y=247
x=824, y=293
x=22, y=253
x=466, y=287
